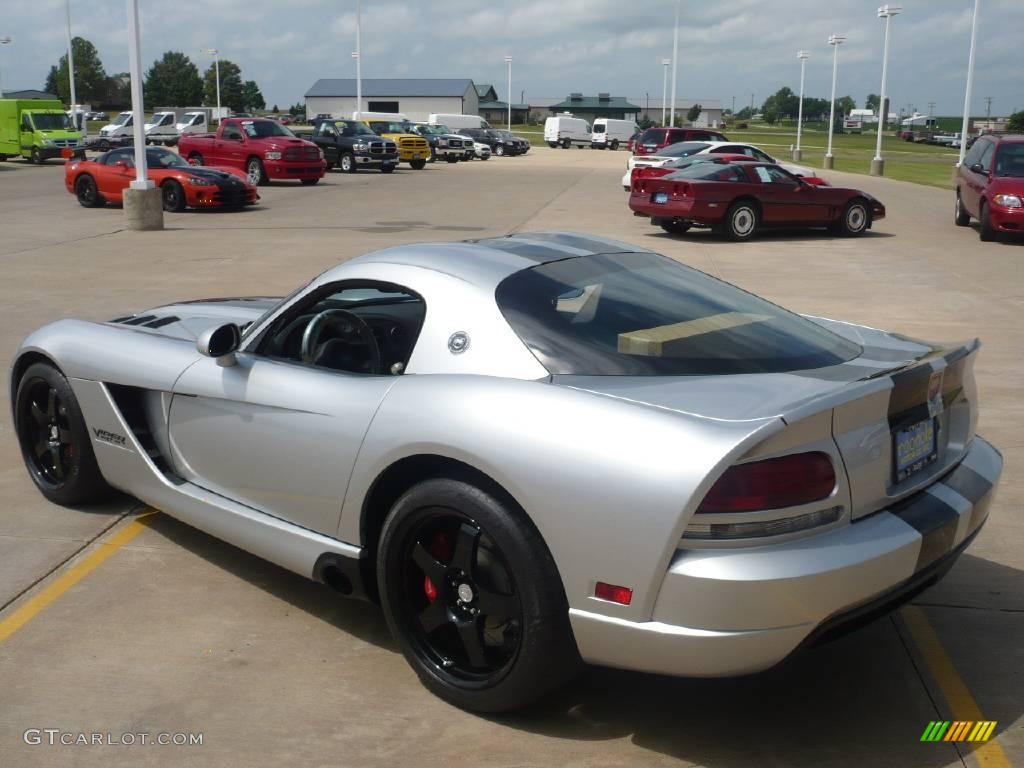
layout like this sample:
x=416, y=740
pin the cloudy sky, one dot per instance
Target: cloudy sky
x=729, y=48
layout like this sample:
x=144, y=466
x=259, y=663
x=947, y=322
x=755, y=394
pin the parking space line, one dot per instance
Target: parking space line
x=989, y=754
x=21, y=616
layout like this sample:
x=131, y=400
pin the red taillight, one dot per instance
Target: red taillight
x=613, y=593
x=771, y=484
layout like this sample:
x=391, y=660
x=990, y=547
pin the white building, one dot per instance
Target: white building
x=710, y=115
x=417, y=98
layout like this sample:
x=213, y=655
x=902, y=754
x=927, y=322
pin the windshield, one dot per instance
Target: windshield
x=641, y=314
x=683, y=149
x=51, y=121
x=1010, y=160
x=125, y=118
x=711, y=172
x=162, y=158
x=432, y=130
x=255, y=129
x=384, y=126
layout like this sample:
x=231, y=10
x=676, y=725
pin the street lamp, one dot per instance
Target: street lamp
x=798, y=153
x=216, y=73
x=675, y=64
x=835, y=41
x=970, y=83
x=71, y=65
x=3, y=41
x=877, y=163
x=508, y=60
x=664, y=88
x=143, y=200
x=358, y=56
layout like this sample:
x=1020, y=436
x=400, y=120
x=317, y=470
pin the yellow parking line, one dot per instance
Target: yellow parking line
x=70, y=577
x=989, y=754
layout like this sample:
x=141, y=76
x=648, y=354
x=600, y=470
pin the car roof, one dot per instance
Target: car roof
x=488, y=261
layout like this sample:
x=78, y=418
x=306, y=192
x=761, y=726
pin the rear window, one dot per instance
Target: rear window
x=683, y=149
x=641, y=314
x=653, y=136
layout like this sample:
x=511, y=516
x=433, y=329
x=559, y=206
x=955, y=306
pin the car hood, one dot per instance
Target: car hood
x=187, y=319
x=213, y=173
x=1006, y=185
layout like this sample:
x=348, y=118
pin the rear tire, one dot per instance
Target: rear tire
x=87, y=193
x=473, y=598
x=676, y=226
x=566, y=143
x=854, y=220
x=961, y=217
x=553, y=144
x=741, y=221
x=615, y=144
x=985, y=230
x=54, y=440
x=173, y=196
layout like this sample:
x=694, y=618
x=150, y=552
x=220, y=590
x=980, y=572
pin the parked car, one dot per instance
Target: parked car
x=675, y=152
x=412, y=148
x=285, y=119
x=499, y=145
x=351, y=145
x=631, y=144
x=444, y=143
x=263, y=148
x=519, y=145
x=654, y=139
x=481, y=151
x=610, y=134
x=740, y=198
x=103, y=180
x=583, y=450
x=990, y=186
x=567, y=131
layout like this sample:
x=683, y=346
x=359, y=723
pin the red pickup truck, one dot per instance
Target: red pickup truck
x=264, y=149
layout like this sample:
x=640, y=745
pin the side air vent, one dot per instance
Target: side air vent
x=120, y=319
x=142, y=412
x=140, y=320
x=161, y=322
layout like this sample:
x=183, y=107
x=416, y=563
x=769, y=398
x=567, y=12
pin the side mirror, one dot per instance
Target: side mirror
x=220, y=342
x=977, y=168
x=122, y=164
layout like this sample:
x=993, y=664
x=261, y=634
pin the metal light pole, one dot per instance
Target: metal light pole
x=877, y=163
x=970, y=84
x=508, y=60
x=664, y=88
x=216, y=73
x=5, y=40
x=675, y=64
x=358, y=55
x=835, y=41
x=143, y=200
x=71, y=62
x=798, y=153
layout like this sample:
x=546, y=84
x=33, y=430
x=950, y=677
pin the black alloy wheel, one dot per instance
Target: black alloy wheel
x=173, y=196
x=86, y=192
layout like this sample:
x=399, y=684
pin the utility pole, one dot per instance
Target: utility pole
x=675, y=64
x=664, y=88
x=358, y=55
x=988, y=108
x=71, y=66
x=970, y=84
x=931, y=109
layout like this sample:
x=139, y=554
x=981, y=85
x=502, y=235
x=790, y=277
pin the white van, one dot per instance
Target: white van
x=565, y=131
x=609, y=133
x=162, y=129
x=455, y=122
x=118, y=131
x=193, y=122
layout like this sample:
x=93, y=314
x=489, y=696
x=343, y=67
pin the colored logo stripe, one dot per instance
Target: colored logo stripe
x=959, y=730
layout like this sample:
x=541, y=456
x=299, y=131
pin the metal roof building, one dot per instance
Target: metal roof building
x=415, y=97
x=602, y=105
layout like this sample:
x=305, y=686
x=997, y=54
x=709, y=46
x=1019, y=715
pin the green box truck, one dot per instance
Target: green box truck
x=37, y=129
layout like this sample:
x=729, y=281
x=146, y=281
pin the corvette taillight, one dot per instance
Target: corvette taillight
x=786, y=481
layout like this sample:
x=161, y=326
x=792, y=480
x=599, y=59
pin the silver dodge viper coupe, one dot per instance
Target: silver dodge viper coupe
x=533, y=451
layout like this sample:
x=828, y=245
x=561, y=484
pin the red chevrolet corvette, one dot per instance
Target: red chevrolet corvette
x=739, y=198
x=95, y=182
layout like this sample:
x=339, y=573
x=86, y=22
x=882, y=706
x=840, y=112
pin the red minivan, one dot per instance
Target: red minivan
x=654, y=139
x=990, y=186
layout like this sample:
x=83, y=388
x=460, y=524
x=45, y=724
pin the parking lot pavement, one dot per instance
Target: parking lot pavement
x=116, y=626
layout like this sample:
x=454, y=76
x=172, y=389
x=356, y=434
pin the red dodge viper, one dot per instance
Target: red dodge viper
x=95, y=182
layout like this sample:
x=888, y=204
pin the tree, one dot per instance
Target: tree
x=275, y=110
x=872, y=101
x=173, y=81
x=694, y=113
x=745, y=114
x=845, y=105
x=251, y=97
x=90, y=77
x=230, y=86
x=1015, y=123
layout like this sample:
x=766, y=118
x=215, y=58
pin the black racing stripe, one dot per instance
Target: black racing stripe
x=979, y=512
x=953, y=381
x=908, y=402
x=967, y=483
x=935, y=520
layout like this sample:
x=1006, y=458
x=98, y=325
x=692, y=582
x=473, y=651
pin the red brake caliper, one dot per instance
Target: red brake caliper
x=441, y=548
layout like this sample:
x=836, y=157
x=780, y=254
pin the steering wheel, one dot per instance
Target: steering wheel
x=350, y=329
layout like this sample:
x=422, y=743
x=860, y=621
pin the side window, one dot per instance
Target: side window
x=231, y=132
x=769, y=174
x=986, y=156
x=758, y=154
x=357, y=327
x=26, y=125
x=974, y=153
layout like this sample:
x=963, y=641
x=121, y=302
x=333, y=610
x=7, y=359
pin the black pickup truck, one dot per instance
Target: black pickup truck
x=351, y=145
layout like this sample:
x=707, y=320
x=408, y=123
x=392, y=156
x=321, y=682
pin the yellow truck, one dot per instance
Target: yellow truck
x=37, y=129
x=412, y=149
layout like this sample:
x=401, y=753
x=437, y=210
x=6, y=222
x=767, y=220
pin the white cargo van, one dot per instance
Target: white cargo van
x=455, y=122
x=162, y=129
x=610, y=134
x=565, y=131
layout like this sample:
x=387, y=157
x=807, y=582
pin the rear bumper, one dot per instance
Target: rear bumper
x=735, y=611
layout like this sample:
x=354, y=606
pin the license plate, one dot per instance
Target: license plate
x=661, y=197
x=915, y=448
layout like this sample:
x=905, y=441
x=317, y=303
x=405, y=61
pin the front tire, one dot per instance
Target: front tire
x=173, y=196
x=961, y=217
x=387, y=169
x=195, y=159
x=35, y=156
x=255, y=172
x=54, y=439
x=347, y=163
x=985, y=230
x=473, y=598
x=499, y=150
x=741, y=221
x=87, y=193
x=854, y=220
x=418, y=165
